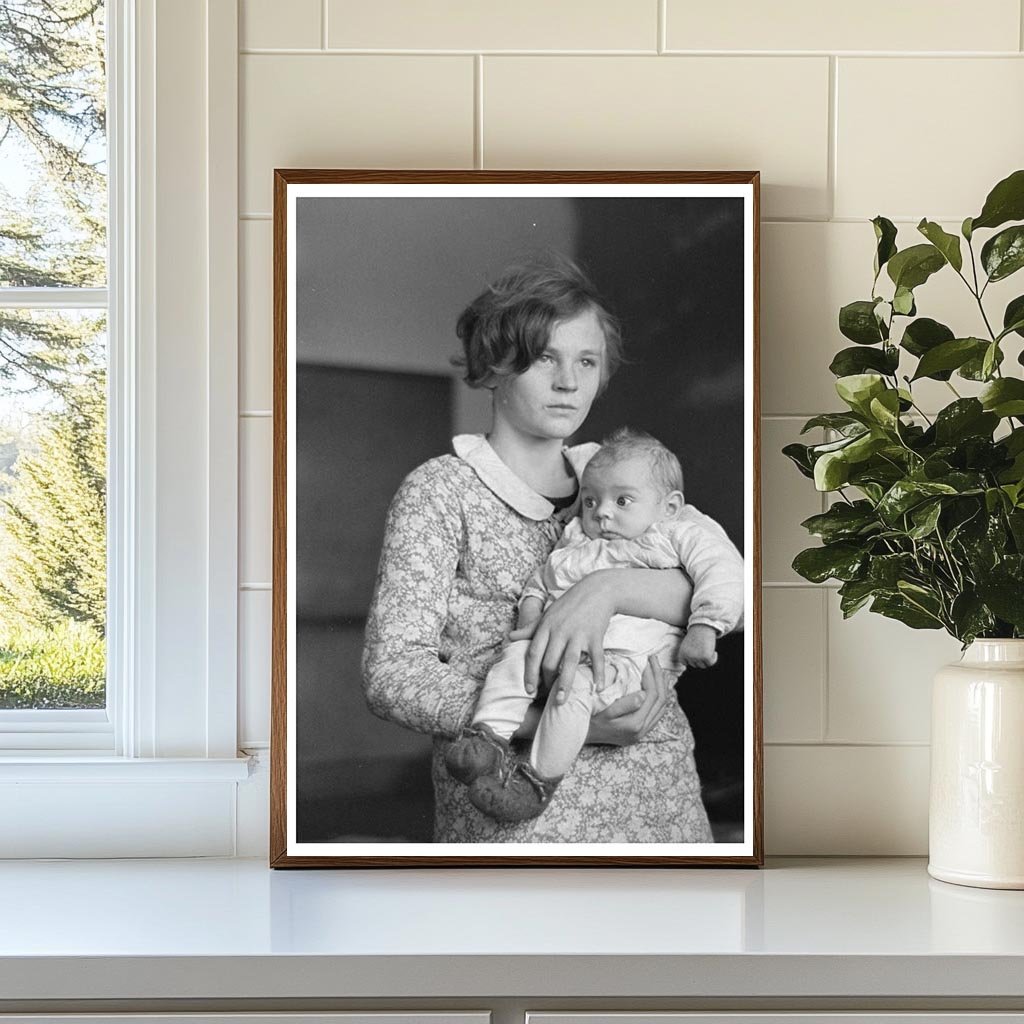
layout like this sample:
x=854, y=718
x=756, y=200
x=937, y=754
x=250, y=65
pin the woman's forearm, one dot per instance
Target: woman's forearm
x=662, y=594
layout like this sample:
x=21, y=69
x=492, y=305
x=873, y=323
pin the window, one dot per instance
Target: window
x=53, y=371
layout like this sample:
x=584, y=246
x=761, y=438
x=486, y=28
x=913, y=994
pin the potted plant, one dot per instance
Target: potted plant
x=927, y=521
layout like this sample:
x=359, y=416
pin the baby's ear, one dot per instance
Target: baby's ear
x=673, y=503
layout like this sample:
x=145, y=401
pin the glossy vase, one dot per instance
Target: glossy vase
x=976, y=813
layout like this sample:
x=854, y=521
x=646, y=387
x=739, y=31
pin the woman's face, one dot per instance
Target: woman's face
x=552, y=397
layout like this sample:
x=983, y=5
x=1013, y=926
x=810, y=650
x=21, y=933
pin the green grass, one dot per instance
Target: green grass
x=61, y=667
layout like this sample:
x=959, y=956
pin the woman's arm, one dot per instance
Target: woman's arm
x=577, y=621
x=404, y=678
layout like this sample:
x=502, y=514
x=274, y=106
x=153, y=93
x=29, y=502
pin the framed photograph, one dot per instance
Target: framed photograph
x=516, y=586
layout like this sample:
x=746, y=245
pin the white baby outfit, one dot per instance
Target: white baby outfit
x=693, y=542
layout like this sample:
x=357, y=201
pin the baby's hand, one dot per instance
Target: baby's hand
x=529, y=616
x=698, y=647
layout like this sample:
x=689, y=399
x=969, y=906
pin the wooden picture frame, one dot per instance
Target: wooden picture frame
x=371, y=270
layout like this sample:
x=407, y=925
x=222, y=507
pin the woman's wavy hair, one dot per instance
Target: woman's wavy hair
x=505, y=328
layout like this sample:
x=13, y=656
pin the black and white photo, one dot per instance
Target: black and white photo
x=516, y=567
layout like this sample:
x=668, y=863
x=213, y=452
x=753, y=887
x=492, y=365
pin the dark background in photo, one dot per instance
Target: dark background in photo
x=380, y=283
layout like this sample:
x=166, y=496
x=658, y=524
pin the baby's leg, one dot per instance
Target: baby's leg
x=563, y=728
x=503, y=701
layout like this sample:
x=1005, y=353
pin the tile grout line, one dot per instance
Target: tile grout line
x=478, y=111
x=825, y=724
x=768, y=55
x=663, y=26
x=833, y=134
x=1020, y=23
x=323, y=24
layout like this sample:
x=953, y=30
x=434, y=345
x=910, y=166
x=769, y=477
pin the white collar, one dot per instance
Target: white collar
x=475, y=451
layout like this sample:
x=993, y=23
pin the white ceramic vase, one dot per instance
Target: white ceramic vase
x=976, y=813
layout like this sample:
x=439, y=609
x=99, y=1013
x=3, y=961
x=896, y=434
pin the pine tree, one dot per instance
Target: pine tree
x=53, y=519
x=53, y=234
x=53, y=121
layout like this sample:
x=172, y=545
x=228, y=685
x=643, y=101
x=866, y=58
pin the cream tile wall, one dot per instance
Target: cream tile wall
x=909, y=110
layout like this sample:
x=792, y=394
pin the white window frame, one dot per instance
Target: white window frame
x=173, y=470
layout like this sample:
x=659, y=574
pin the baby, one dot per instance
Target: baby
x=632, y=515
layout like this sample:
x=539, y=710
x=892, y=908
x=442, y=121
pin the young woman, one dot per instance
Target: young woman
x=466, y=530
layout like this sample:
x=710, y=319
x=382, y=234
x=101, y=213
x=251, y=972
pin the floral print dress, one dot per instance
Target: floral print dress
x=463, y=535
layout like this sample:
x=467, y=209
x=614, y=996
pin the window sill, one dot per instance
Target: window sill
x=74, y=766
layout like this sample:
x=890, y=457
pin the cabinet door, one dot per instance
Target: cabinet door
x=354, y=1017
x=933, y=1017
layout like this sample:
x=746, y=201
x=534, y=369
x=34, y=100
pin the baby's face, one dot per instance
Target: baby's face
x=620, y=501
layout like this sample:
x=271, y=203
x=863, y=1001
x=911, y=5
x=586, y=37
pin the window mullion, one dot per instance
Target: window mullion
x=53, y=298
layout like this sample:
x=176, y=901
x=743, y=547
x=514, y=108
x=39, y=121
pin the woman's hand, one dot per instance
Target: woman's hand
x=632, y=717
x=574, y=624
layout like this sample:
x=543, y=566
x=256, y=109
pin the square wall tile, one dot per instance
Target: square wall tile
x=254, y=628
x=269, y=24
x=697, y=113
x=470, y=25
x=868, y=25
x=255, y=512
x=351, y=111
x=255, y=316
x=846, y=801
x=880, y=677
x=962, y=128
x=787, y=499
x=794, y=663
x=808, y=272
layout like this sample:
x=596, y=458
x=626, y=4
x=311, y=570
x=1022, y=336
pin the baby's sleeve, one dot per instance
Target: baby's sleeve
x=539, y=584
x=714, y=564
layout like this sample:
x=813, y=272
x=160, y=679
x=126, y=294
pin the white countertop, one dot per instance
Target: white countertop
x=235, y=929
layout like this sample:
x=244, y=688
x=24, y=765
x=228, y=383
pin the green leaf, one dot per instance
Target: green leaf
x=1004, y=397
x=799, y=454
x=947, y=244
x=854, y=594
x=885, y=571
x=885, y=409
x=950, y=355
x=857, y=321
x=1013, y=318
x=912, y=267
x=966, y=417
x=858, y=389
x=843, y=521
x=903, y=302
x=924, y=334
x=906, y=494
x=965, y=228
x=841, y=421
x=885, y=236
x=1006, y=599
x=993, y=357
x=925, y=518
x=1005, y=202
x=850, y=361
x=970, y=617
x=1003, y=254
x=831, y=471
x=840, y=561
x=897, y=607
x=974, y=368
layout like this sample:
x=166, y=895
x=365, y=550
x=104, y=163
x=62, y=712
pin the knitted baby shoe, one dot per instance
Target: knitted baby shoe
x=478, y=751
x=514, y=795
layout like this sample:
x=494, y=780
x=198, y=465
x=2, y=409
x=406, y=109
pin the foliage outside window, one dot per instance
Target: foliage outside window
x=53, y=200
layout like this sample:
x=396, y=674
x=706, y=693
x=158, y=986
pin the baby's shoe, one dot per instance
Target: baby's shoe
x=515, y=795
x=478, y=751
